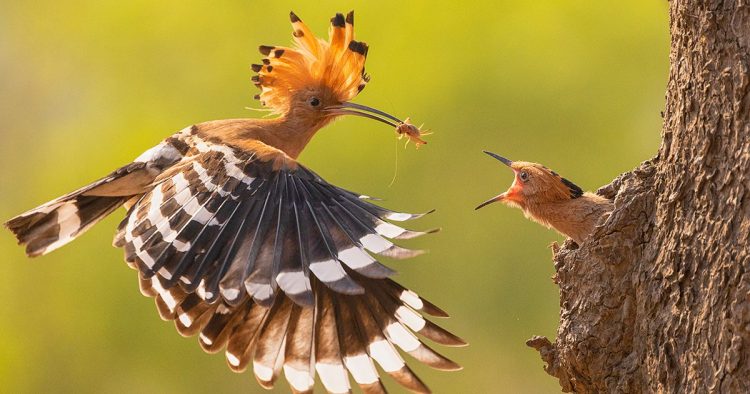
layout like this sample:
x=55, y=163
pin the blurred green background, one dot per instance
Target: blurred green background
x=86, y=86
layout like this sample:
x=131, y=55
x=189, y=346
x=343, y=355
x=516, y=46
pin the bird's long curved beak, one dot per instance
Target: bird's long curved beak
x=365, y=112
x=499, y=197
x=503, y=195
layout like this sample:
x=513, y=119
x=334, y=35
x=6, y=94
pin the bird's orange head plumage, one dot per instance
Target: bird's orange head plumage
x=534, y=184
x=314, y=74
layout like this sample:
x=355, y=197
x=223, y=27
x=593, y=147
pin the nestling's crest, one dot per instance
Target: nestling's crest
x=335, y=69
x=543, y=183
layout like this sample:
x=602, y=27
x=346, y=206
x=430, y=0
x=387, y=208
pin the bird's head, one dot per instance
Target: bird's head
x=533, y=184
x=314, y=80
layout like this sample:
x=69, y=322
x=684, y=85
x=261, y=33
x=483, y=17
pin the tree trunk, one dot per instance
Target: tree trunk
x=658, y=299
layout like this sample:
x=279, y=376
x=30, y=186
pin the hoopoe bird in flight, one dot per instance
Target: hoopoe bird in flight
x=239, y=243
x=551, y=200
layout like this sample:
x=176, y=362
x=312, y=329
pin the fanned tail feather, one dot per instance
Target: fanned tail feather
x=59, y=222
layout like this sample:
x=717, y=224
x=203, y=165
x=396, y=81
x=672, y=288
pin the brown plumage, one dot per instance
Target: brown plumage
x=551, y=200
x=242, y=245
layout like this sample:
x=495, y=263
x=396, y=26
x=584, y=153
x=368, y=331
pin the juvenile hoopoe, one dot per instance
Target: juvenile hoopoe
x=241, y=244
x=551, y=200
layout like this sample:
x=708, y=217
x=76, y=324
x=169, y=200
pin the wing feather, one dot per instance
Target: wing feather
x=328, y=359
x=216, y=333
x=294, y=276
x=324, y=262
x=258, y=280
x=269, y=349
x=371, y=239
x=240, y=344
x=382, y=350
x=299, y=365
x=353, y=344
x=200, y=235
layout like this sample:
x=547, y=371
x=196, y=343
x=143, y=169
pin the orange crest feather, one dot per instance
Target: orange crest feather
x=337, y=64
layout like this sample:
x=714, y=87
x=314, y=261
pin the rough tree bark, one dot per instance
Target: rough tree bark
x=658, y=299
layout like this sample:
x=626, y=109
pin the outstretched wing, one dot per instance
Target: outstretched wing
x=260, y=253
x=226, y=223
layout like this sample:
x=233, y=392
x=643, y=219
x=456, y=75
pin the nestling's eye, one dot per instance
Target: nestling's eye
x=524, y=176
x=314, y=101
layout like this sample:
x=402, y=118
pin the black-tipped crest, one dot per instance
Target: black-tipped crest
x=358, y=47
x=265, y=50
x=338, y=20
x=336, y=64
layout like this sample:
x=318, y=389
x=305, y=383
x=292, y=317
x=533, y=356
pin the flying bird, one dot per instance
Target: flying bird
x=551, y=200
x=241, y=244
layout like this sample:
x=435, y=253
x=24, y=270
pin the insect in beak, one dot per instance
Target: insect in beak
x=403, y=127
x=503, y=195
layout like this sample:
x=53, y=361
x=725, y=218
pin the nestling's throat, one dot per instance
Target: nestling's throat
x=575, y=218
x=514, y=195
x=550, y=214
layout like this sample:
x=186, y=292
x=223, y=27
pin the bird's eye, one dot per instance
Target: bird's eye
x=314, y=101
x=524, y=176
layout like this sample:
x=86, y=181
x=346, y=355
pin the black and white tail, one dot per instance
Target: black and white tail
x=54, y=224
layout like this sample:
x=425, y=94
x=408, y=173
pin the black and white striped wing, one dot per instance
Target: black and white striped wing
x=222, y=223
x=275, y=264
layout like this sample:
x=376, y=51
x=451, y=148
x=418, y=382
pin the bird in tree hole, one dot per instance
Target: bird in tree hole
x=551, y=200
x=239, y=243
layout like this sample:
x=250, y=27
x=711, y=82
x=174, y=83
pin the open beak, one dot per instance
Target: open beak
x=503, y=160
x=503, y=195
x=365, y=112
x=499, y=197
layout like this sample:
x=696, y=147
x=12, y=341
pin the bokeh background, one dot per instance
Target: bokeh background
x=86, y=86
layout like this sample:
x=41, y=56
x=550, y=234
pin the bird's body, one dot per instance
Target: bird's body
x=552, y=201
x=575, y=218
x=243, y=245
